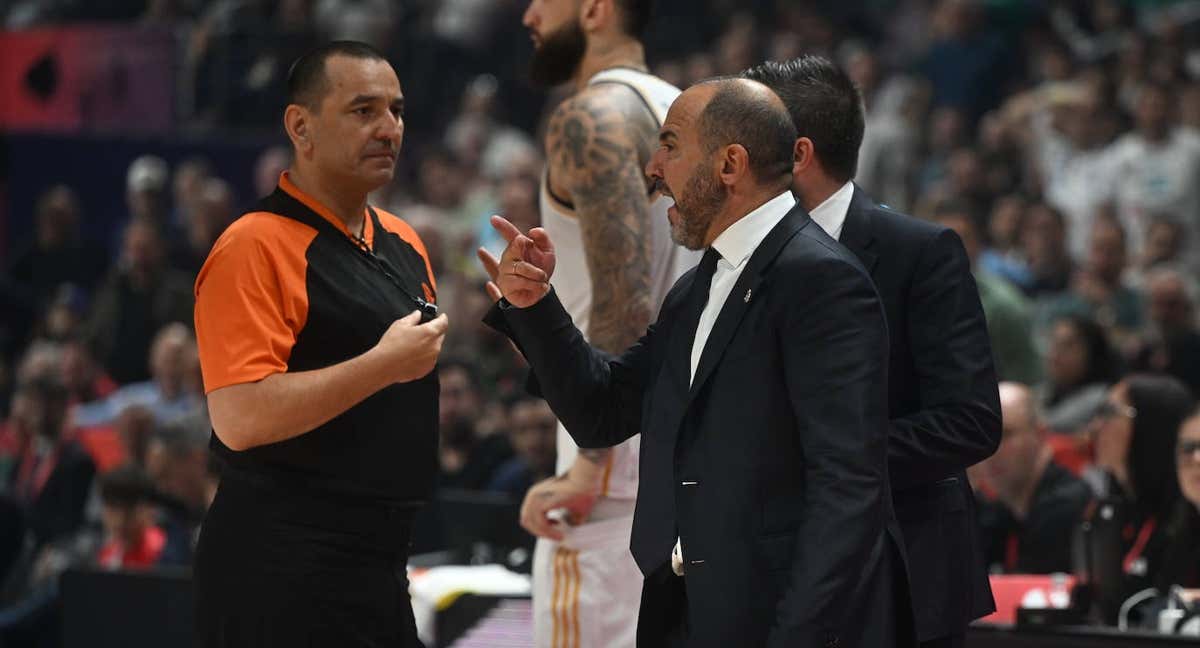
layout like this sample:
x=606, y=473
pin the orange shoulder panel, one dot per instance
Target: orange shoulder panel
x=251, y=299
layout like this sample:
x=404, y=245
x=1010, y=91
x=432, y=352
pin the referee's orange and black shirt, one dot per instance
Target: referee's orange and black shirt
x=283, y=291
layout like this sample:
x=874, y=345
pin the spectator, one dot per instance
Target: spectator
x=131, y=539
x=965, y=64
x=58, y=254
x=1135, y=436
x=468, y=459
x=64, y=315
x=440, y=181
x=212, y=211
x=270, y=164
x=1043, y=242
x=892, y=138
x=1181, y=559
x=1060, y=126
x=1172, y=345
x=15, y=433
x=135, y=426
x=1166, y=241
x=139, y=296
x=1153, y=170
x=1098, y=289
x=83, y=378
x=1080, y=367
x=177, y=462
x=186, y=186
x=1005, y=308
x=166, y=395
x=1003, y=256
x=53, y=475
x=947, y=132
x=146, y=190
x=532, y=431
x=1037, y=503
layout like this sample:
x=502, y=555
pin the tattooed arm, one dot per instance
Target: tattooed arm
x=596, y=143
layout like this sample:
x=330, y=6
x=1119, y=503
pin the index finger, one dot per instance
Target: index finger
x=505, y=228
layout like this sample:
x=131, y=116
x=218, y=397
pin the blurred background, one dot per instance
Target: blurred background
x=1060, y=138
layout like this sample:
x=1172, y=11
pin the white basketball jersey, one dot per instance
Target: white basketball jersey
x=573, y=282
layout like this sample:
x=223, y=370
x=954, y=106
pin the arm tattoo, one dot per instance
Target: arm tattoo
x=597, y=144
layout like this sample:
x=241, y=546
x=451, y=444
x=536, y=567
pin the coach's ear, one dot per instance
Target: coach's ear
x=734, y=164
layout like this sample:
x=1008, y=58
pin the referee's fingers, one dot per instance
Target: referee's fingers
x=437, y=325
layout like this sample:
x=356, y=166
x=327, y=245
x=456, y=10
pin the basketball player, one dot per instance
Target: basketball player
x=616, y=262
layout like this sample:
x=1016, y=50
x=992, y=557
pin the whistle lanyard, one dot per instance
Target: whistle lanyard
x=428, y=309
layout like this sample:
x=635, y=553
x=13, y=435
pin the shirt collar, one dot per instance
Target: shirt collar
x=831, y=214
x=289, y=187
x=740, y=239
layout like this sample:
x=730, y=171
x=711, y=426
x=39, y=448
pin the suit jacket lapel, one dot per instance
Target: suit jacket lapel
x=742, y=295
x=856, y=232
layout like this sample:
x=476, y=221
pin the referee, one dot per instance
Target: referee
x=318, y=337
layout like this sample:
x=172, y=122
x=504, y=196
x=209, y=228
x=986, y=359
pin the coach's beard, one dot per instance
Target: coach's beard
x=558, y=57
x=703, y=198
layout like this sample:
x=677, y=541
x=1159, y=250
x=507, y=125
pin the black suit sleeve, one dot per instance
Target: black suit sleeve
x=835, y=350
x=494, y=318
x=958, y=424
x=597, y=397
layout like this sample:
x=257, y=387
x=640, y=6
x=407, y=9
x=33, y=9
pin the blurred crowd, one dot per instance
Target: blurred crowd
x=1061, y=139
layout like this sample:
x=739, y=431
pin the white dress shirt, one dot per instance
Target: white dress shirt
x=735, y=246
x=831, y=214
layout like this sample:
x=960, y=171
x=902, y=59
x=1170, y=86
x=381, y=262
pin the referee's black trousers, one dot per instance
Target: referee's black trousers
x=279, y=568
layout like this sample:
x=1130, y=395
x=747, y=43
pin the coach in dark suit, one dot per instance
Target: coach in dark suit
x=942, y=393
x=763, y=513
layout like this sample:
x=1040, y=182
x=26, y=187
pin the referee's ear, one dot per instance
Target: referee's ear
x=296, y=121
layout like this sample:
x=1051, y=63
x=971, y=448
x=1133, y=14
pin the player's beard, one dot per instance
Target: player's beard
x=698, y=206
x=559, y=55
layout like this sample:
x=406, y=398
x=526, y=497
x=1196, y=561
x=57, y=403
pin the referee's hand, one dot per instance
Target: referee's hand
x=413, y=347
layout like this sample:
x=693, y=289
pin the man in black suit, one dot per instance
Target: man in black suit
x=763, y=514
x=943, y=400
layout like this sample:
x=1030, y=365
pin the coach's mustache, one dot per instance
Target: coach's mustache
x=661, y=187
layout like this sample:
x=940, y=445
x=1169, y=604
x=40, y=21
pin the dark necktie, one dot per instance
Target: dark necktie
x=698, y=298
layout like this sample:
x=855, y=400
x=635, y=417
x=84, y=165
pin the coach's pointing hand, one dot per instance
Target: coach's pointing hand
x=523, y=272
